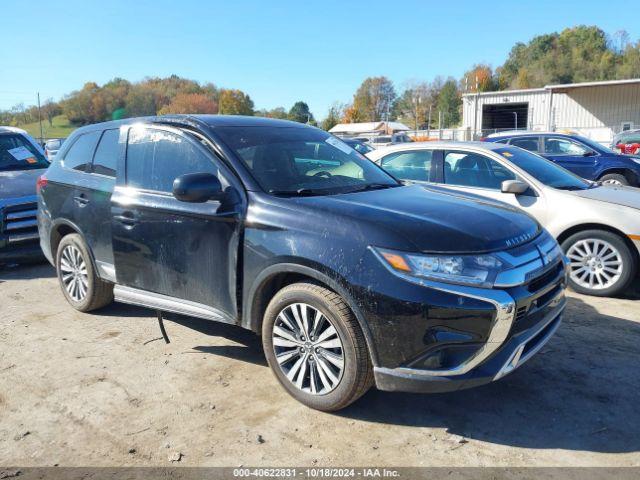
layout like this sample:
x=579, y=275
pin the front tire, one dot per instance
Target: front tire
x=315, y=347
x=601, y=263
x=83, y=289
x=614, y=179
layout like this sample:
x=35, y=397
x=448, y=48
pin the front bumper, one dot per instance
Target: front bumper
x=511, y=355
x=468, y=336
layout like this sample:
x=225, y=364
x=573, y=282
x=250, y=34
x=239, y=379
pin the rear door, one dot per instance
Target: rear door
x=572, y=155
x=188, y=251
x=75, y=191
x=97, y=190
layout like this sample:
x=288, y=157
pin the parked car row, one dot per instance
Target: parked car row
x=419, y=271
x=351, y=277
x=598, y=226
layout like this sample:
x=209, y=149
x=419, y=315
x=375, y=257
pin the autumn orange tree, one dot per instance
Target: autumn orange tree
x=190, y=103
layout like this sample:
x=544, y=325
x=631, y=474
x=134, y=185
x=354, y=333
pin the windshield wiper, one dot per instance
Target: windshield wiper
x=374, y=186
x=570, y=187
x=301, y=192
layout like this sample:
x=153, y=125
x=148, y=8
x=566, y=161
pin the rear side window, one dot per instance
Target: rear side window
x=414, y=165
x=80, y=153
x=106, y=157
x=155, y=158
x=527, y=143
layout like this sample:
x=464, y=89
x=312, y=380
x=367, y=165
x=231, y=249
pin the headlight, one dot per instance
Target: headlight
x=474, y=270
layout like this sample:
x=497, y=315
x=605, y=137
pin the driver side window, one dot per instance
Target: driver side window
x=563, y=146
x=474, y=170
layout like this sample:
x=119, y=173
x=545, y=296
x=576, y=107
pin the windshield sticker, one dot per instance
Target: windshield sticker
x=21, y=153
x=339, y=145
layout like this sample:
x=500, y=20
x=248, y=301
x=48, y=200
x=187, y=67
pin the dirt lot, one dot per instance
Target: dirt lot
x=103, y=390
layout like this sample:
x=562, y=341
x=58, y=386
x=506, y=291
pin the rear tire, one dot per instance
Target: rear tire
x=327, y=369
x=614, y=179
x=601, y=263
x=83, y=289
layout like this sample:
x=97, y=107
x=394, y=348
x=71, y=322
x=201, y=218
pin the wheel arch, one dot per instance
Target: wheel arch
x=60, y=229
x=278, y=276
x=599, y=226
x=629, y=174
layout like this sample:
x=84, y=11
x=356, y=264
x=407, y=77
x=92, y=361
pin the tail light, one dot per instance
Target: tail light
x=42, y=182
x=483, y=139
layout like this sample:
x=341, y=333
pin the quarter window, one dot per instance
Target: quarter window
x=473, y=170
x=106, y=157
x=81, y=152
x=155, y=158
x=413, y=165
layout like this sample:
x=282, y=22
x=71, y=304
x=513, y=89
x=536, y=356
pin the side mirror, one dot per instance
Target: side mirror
x=514, y=186
x=589, y=153
x=197, y=188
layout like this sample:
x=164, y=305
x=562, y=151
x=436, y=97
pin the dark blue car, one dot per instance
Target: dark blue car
x=578, y=154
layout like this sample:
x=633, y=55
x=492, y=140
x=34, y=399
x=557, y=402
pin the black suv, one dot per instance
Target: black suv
x=351, y=277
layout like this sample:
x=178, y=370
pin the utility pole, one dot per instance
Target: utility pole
x=429, y=122
x=40, y=119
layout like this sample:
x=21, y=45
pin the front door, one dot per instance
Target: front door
x=187, y=251
x=482, y=175
x=572, y=155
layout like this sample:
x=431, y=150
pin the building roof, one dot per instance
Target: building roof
x=365, y=127
x=560, y=88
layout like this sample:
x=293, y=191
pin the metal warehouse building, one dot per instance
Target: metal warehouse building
x=597, y=110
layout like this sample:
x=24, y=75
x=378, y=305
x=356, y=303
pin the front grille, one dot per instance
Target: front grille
x=545, y=279
x=521, y=312
x=20, y=223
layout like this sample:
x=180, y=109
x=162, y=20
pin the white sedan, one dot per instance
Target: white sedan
x=597, y=226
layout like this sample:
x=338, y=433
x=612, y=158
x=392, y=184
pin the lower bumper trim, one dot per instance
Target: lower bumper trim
x=512, y=354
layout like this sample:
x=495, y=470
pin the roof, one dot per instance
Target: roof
x=364, y=127
x=12, y=130
x=559, y=88
x=194, y=119
x=453, y=145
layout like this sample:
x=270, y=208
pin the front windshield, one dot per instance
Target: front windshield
x=18, y=153
x=295, y=160
x=543, y=170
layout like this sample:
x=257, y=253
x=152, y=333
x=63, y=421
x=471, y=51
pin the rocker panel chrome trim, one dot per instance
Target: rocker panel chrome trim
x=157, y=301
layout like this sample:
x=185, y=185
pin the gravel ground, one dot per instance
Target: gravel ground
x=103, y=390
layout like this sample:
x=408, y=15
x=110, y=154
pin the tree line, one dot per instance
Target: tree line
x=583, y=53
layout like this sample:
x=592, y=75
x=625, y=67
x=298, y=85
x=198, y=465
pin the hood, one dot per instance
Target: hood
x=18, y=183
x=435, y=220
x=625, y=196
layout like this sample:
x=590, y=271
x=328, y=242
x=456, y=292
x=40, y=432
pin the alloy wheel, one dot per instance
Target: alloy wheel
x=308, y=349
x=613, y=182
x=73, y=272
x=595, y=264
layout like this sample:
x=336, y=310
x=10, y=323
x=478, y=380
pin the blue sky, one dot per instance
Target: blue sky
x=276, y=51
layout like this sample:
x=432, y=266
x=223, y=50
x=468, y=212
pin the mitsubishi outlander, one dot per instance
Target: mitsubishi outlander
x=352, y=278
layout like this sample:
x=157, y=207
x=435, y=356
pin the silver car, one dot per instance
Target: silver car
x=597, y=226
x=52, y=146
